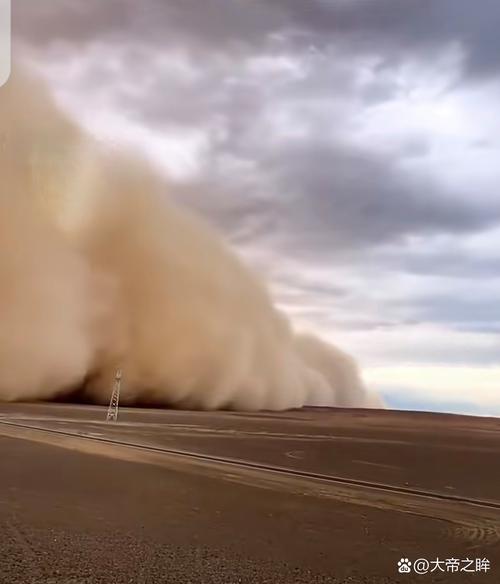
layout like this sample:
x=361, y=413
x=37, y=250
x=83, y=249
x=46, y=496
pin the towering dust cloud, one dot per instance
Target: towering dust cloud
x=99, y=270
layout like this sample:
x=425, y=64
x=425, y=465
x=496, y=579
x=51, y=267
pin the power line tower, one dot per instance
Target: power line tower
x=112, y=415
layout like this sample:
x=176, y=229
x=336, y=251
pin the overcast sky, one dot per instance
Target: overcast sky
x=349, y=149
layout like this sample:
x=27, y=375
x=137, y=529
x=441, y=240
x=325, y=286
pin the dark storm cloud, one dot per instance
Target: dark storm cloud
x=213, y=24
x=314, y=192
x=280, y=172
x=452, y=263
x=310, y=192
x=341, y=196
x=466, y=313
x=321, y=199
x=389, y=28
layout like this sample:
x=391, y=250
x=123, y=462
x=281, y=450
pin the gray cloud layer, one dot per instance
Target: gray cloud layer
x=383, y=26
x=275, y=90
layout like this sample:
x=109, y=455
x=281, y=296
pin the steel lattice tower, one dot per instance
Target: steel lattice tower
x=112, y=415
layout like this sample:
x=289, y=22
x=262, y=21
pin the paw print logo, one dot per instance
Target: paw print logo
x=404, y=566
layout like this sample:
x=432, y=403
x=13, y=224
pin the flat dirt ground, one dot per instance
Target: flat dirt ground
x=79, y=506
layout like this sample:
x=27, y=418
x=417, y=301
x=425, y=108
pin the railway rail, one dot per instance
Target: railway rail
x=268, y=468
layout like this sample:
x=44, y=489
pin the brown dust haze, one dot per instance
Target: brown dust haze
x=99, y=270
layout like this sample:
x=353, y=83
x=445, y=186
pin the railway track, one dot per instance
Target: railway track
x=277, y=470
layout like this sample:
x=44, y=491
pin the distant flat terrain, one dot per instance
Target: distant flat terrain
x=312, y=495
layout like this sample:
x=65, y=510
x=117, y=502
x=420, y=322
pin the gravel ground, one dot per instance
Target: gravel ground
x=70, y=517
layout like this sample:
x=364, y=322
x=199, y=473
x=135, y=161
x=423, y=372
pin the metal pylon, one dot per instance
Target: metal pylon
x=112, y=415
